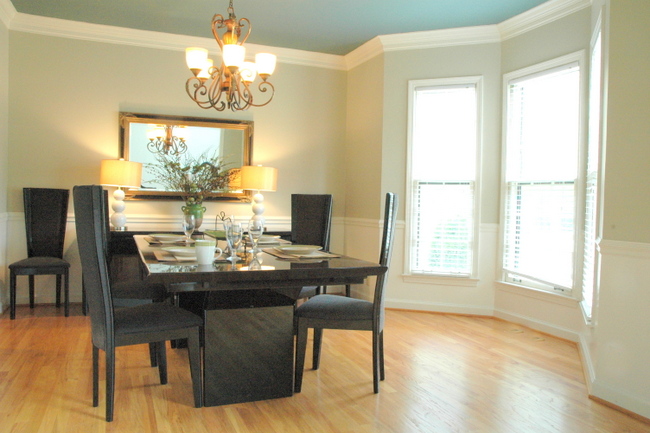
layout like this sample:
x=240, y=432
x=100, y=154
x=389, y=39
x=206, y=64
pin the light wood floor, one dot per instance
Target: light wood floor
x=444, y=373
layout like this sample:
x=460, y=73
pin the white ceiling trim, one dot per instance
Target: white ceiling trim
x=536, y=17
x=543, y=14
x=7, y=12
x=158, y=40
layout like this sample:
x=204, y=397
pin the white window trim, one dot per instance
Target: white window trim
x=578, y=57
x=477, y=81
x=599, y=29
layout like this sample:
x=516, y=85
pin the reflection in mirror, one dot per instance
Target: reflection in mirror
x=159, y=142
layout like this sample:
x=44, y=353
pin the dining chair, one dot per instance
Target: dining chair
x=340, y=312
x=46, y=213
x=113, y=327
x=311, y=221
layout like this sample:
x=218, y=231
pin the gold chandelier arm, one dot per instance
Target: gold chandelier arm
x=205, y=96
x=244, y=23
x=264, y=87
x=218, y=22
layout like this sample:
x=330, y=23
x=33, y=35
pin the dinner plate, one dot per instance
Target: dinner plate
x=298, y=250
x=167, y=237
x=268, y=239
x=181, y=251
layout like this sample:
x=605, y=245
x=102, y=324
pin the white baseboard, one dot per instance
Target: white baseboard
x=539, y=325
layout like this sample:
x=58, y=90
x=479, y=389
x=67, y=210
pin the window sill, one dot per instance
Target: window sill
x=438, y=280
x=556, y=298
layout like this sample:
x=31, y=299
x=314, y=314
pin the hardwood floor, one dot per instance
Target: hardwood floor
x=444, y=373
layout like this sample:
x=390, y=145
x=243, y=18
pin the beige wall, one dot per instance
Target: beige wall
x=364, y=139
x=63, y=117
x=627, y=174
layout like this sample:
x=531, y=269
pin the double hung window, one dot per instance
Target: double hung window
x=443, y=150
x=541, y=166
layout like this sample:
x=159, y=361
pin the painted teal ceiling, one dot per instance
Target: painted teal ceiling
x=326, y=26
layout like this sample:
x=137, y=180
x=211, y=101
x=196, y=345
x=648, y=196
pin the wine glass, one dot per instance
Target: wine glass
x=189, y=223
x=255, y=230
x=234, y=232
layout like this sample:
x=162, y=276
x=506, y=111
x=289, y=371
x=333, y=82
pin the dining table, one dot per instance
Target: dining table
x=247, y=306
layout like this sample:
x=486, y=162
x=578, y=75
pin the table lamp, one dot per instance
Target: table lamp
x=121, y=174
x=258, y=178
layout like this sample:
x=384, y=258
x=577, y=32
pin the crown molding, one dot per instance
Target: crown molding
x=158, y=40
x=541, y=15
x=534, y=18
x=7, y=12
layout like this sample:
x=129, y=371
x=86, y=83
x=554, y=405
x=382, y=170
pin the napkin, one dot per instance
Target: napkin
x=166, y=256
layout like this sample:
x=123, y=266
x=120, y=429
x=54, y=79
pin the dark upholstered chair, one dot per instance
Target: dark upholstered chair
x=142, y=324
x=46, y=212
x=311, y=222
x=339, y=312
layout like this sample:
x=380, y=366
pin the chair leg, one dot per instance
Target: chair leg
x=84, y=305
x=162, y=361
x=194, y=353
x=382, y=372
x=348, y=290
x=301, y=348
x=110, y=382
x=318, y=340
x=58, y=290
x=31, y=291
x=95, y=376
x=66, y=293
x=153, y=354
x=375, y=361
x=12, y=294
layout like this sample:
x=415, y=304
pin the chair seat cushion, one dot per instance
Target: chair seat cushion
x=335, y=307
x=155, y=317
x=137, y=289
x=38, y=263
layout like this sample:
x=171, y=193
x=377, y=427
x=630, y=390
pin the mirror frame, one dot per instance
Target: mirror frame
x=125, y=121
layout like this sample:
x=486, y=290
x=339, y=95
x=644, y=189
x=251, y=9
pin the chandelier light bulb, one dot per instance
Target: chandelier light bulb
x=205, y=70
x=265, y=63
x=247, y=72
x=195, y=58
x=233, y=55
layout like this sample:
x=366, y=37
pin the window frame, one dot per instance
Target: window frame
x=426, y=277
x=589, y=312
x=538, y=69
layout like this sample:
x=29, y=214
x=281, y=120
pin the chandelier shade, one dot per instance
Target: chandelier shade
x=231, y=85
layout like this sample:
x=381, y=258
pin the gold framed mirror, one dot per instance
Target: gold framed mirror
x=162, y=142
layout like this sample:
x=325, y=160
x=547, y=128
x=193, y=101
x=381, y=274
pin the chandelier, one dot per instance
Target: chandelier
x=230, y=85
x=164, y=139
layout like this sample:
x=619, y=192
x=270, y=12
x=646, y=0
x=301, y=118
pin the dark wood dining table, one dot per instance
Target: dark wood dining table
x=248, y=314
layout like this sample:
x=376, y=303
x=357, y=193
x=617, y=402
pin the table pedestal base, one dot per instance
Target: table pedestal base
x=248, y=347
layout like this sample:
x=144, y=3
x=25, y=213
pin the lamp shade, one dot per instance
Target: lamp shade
x=259, y=178
x=121, y=173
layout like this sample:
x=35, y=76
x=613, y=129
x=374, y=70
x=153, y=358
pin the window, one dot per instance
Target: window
x=592, y=178
x=542, y=150
x=443, y=147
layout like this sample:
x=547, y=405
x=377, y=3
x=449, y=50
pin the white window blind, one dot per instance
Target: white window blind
x=443, y=148
x=541, y=168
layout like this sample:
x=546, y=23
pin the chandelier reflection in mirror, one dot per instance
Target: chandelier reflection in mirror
x=232, y=84
x=167, y=139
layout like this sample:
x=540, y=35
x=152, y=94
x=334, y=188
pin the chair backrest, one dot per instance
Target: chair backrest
x=46, y=214
x=311, y=219
x=90, y=222
x=385, y=253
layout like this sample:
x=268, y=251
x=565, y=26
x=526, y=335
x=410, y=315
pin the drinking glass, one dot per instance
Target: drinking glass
x=189, y=223
x=234, y=232
x=255, y=230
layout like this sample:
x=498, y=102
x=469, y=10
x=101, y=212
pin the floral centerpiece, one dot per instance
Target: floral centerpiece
x=194, y=177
